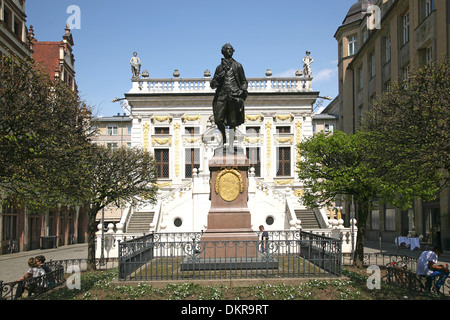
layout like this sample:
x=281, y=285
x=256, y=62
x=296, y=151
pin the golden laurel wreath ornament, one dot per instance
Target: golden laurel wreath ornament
x=229, y=184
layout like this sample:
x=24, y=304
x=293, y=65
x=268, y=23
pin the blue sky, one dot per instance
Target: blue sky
x=188, y=36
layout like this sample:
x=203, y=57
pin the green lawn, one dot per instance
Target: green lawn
x=102, y=285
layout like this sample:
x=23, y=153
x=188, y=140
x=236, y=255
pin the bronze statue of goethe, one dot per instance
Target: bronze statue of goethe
x=231, y=91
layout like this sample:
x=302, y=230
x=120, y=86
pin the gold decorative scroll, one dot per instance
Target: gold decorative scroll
x=162, y=141
x=284, y=182
x=298, y=127
x=177, y=127
x=162, y=118
x=192, y=118
x=229, y=184
x=284, y=118
x=191, y=140
x=299, y=192
x=164, y=184
x=253, y=117
x=146, y=128
x=284, y=140
x=252, y=140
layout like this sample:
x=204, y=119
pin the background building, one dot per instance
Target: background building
x=62, y=225
x=57, y=58
x=113, y=132
x=14, y=36
x=372, y=57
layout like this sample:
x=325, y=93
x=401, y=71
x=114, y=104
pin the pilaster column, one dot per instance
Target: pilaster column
x=268, y=126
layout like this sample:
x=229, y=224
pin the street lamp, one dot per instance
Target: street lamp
x=321, y=102
x=123, y=104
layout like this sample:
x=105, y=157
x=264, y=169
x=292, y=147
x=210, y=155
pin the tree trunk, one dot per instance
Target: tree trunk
x=362, y=214
x=92, y=229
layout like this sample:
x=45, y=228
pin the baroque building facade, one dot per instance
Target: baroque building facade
x=379, y=43
x=173, y=119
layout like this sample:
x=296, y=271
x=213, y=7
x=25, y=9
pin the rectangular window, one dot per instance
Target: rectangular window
x=162, y=130
x=405, y=19
x=112, y=145
x=7, y=18
x=17, y=30
x=390, y=220
x=252, y=130
x=388, y=86
x=284, y=161
x=10, y=217
x=112, y=130
x=375, y=220
x=429, y=7
x=372, y=65
x=192, y=161
x=162, y=163
x=406, y=76
x=387, y=49
x=129, y=130
x=253, y=154
x=284, y=129
x=361, y=78
x=191, y=130
x=429, y=55
x=352, y=45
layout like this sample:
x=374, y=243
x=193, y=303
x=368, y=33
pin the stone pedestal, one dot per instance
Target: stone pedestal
x=229, y=218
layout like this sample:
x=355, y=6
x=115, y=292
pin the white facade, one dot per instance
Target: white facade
x=170, y=117
x=174, y=115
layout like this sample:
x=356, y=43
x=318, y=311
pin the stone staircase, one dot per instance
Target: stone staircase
x=308, y=219
x=140, y=222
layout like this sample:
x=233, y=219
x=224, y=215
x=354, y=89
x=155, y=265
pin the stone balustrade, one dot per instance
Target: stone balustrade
x=202, y=85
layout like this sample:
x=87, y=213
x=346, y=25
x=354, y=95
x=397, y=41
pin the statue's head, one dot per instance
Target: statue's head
x=227, y=46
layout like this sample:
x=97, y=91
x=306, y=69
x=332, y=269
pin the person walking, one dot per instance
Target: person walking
x=264, y=239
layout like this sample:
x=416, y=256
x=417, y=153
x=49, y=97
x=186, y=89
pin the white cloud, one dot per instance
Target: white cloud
x=287, y=73
x=323, y=75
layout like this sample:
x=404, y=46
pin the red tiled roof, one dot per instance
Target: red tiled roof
x=46, y=54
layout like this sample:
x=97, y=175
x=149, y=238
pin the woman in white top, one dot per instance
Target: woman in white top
x=34, y=271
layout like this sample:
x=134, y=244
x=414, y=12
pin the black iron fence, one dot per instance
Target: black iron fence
x=183, y=256
x=32, y=287
x=383, y=260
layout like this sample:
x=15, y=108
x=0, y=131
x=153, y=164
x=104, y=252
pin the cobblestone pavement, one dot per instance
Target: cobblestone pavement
x=14, y=266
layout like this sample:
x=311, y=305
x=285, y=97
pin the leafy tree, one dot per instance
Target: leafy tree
x=408, y=135
x=42, y=134
x=333, y=165
x=117, y=176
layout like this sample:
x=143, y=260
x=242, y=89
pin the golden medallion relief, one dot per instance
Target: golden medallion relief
x=229, y=184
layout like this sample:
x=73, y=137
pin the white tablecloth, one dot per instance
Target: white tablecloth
x=412, y=243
